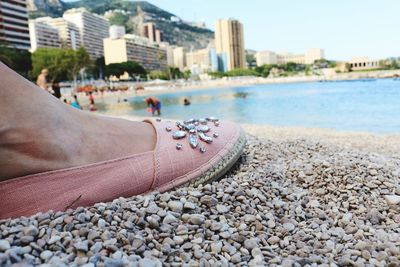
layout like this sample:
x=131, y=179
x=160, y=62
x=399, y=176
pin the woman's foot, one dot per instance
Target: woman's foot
x=39, y=133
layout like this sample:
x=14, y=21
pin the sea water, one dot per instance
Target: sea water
x=361, y=105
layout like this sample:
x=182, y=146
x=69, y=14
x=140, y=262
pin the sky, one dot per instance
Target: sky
x=343, y=28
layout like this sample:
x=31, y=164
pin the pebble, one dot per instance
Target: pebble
x=46, y=255
x=4, y=245
x=175, y=206
x=392, y=199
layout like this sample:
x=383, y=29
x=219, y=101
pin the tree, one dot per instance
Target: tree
x=118, y=69
x=62, y=63
x=17, y=59
x=78, y=60
x=53, y=59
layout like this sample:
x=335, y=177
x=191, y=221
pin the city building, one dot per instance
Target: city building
x=117, y=31
x=266, y=57
x=151, y=32
x=180, y=58
x=269, y=57
x=229, y=40
x=135, y=48
x=14, y=27
x=203, y=60
x=313, y=54
x=363, y=63
x=68, y=32
x=43, y=35
x=170, y=52
x=92, y=28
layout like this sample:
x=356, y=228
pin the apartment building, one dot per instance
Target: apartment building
x=229, y=41
x=202, y=60
x=92, y=28
x=135, y=48
x=43, y=35
x=68, y=32
x=14, y=27
x=270, y=57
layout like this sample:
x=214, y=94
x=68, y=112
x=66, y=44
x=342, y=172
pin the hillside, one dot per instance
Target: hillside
x=131, y=14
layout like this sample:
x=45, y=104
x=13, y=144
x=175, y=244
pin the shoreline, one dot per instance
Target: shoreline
x=227, y=82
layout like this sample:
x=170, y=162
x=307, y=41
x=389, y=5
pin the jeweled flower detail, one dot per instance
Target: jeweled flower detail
x=195, y=129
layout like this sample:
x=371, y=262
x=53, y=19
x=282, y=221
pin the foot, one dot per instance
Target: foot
x=45, y=134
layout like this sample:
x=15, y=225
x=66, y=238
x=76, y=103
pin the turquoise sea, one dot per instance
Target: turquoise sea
x=361, y=105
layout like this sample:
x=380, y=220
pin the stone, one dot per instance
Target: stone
x=196, y=219
x=222, y=208
x=273, y=240
x=169, y=218
x=175, y=206
x=392, y=199
x=46, y=255
x=4, y=245
x=209, y=201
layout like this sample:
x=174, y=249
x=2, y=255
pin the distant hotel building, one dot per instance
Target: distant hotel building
x=70, y=36
x=229, y=43
x=14, y=28
x=135, y=48
x=92, y=28
x=180, y=58
x=151, y=32
x=203, y=60
x=363, y=63
x=269, y=57
x=43, y=34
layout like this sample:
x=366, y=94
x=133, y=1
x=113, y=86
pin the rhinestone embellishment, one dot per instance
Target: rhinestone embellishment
x=203, y=128
x=205, y=138
x=195, y=129
x=193, y=141
x=179, y=134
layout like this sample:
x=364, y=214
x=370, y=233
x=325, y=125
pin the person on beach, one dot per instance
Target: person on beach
x=91, y=98
x=75, y=103
x=153, y=105
x=55, y=86
x=56, y=157
x=41, y=80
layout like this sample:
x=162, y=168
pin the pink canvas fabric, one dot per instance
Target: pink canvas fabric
x=161, y=170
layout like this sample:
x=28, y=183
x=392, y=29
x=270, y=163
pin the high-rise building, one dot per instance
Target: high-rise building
x=92, y=28
x=69, y=34
x=135, y=48
x=43, y=34
x=229, y=40
x=170, y=52
x=151, y=32
x=180, y=58
x=202, y=60
x=14, y=28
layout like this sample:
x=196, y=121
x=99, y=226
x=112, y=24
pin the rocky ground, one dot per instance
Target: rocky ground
x=292, y=202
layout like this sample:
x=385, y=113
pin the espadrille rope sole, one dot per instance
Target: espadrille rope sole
x=223, y=165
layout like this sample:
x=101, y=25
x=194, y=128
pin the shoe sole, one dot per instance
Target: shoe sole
x=223, y=166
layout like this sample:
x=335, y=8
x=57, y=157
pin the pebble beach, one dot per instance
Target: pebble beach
x=297, y=197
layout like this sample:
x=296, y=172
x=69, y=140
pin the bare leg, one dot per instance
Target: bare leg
x=40, y=133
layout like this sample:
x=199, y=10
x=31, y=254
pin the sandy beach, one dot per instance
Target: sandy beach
x=298, y=197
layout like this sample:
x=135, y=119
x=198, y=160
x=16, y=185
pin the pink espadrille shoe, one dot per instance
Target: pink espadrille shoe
x=192, y=152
